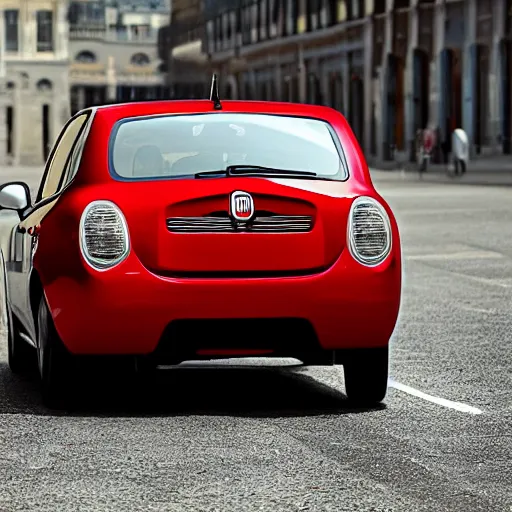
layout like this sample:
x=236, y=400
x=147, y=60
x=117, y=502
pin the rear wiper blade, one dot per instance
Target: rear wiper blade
x=239, y=170
x=252, y=170
x=211, y=174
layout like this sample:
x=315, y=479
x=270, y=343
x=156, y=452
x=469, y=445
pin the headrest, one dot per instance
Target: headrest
x=148, y=161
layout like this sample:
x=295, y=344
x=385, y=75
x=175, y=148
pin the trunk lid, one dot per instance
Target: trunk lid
x=185, y=227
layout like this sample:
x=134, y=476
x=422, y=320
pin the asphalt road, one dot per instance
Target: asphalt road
x=283, y=439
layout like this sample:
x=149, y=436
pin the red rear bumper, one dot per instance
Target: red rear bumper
x=127, y=309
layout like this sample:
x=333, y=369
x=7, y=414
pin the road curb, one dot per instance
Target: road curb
x=496, y=179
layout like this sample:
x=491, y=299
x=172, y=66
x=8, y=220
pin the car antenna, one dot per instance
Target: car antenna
x=214, y=94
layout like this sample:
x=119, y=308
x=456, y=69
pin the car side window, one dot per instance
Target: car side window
x=76, y=157
x=60, y=157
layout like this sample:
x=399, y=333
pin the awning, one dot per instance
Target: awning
x=190, y=52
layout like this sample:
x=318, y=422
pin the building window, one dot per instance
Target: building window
x=233, y=28
x=89, y=13
x=218, y=34
x=379, y=7
x=44, y=85
x=508, y=19
x=44, y=31
x=354, y=9
x=140, y=59
x=254, y=23
x=246, y=25
x=328, y=12
x=210, y=36
x=11, y=30
x=86, y=57
x=226, y=31
x=312, y=14
x=290, y=18
x=263, y=20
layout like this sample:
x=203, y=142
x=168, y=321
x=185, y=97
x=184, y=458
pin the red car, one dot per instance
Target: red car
x=184, y=230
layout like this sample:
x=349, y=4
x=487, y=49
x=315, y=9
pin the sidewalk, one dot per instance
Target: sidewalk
x=30, y=175
x=493, y=170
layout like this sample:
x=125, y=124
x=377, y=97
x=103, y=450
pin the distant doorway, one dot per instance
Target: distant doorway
x=9, y=121
x=46, y=131
x=420, y=92
x=450, y=105
x=421, y=89
x=314, y=90
x=356, y=107
x=229, y=91
x=395, y=106
x=336, y=91
x=480, y=57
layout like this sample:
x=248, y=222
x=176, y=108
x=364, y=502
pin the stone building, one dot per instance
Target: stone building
x=59, y=56
x=34, y=78
x=113, y=51
x=391, y=66
x=181, y=47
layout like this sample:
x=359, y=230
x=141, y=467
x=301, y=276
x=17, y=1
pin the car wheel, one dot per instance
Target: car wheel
x=20, y=355
x=53, y=359
x=145, y=366
x=366, y=375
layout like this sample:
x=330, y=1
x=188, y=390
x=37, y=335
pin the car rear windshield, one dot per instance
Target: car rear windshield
x=175, y=146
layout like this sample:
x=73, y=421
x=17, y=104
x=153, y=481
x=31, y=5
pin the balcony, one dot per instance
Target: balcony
x=136, y=76
x=87, y=76
x=76, y=33
x=127, y=35
x=96, y=75
x=121, y=35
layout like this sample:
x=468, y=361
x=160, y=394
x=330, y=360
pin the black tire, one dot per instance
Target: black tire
x=366, y=375
x=144, y=366
x=54, y=361
x=20, y=355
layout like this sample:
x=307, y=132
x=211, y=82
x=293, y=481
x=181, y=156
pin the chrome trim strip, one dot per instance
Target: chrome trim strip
x=271, y=224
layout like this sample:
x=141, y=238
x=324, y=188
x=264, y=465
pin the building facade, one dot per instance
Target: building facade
x=390, y=66
x=181, y=47
x=34, y=81
x=57, y=57
x=113, y=51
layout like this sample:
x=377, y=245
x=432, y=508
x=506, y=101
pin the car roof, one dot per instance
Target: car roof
x=115, y=112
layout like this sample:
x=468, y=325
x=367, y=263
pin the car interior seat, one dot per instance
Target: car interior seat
x=198, y=163
x=148, y=161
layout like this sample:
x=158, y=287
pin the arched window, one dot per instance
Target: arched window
x=140, y=59
x=86, y=56
x=44, y=85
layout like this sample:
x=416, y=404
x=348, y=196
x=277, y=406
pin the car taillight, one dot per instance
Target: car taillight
x=369, y=231
x=104, y=239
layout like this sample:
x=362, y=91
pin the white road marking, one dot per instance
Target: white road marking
x=477, y=310
x=434, y=399
x=444, y=211
x=503, y=283
x=464, y=255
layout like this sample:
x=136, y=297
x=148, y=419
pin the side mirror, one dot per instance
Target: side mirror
x=14, y=196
